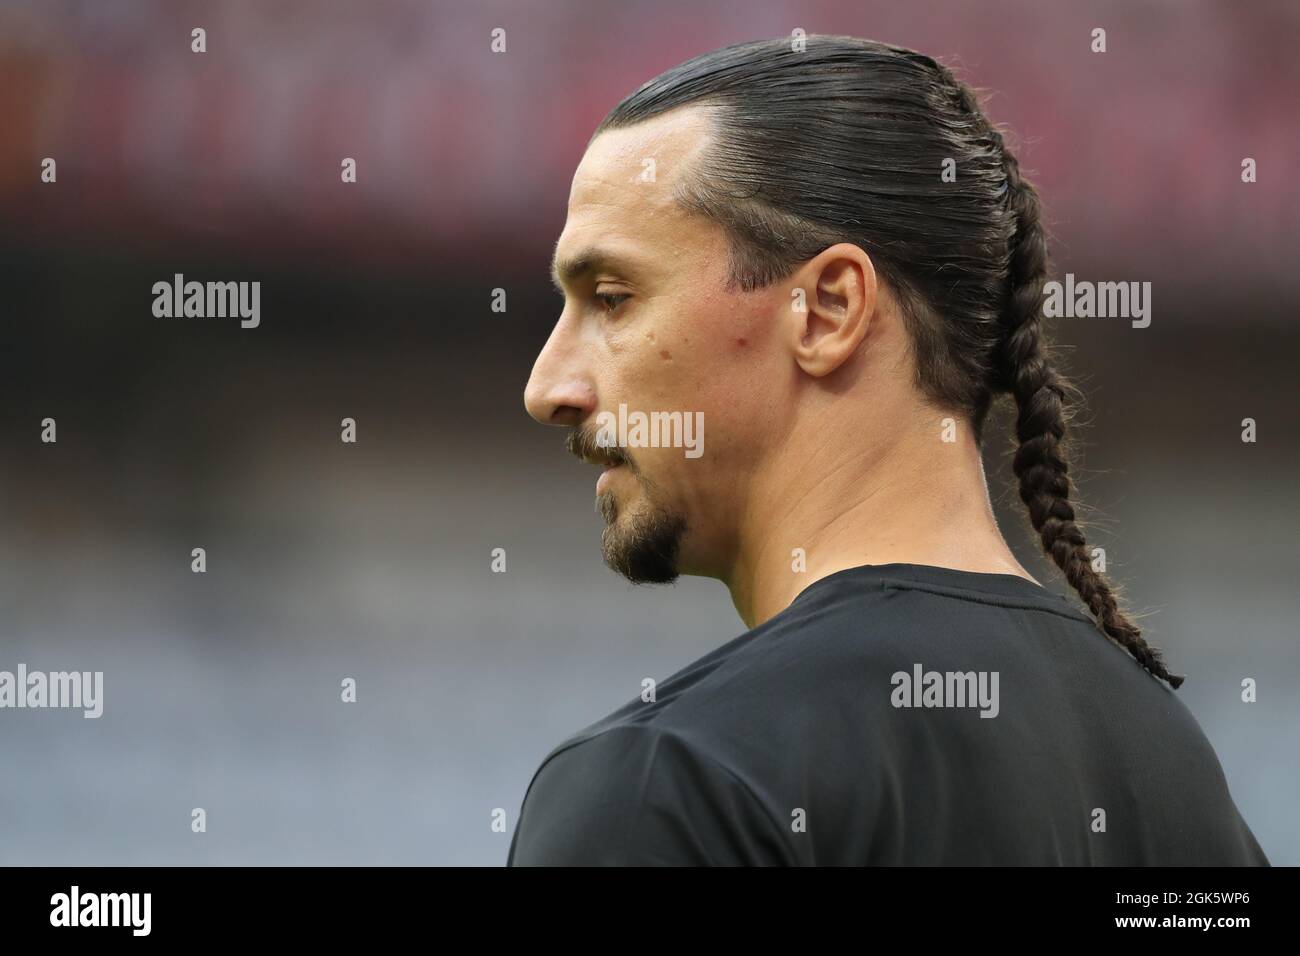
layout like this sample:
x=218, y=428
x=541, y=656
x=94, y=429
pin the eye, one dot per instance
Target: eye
x=611, y=300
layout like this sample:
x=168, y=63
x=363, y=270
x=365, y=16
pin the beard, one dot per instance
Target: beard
x=642, y=545
x=642, y=548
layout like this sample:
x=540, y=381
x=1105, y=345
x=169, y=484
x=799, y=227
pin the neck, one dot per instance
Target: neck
x=911, y=499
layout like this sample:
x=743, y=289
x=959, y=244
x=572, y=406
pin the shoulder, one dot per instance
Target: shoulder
x=641, y=795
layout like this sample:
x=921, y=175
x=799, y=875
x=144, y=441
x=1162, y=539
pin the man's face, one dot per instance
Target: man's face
x=649, y=324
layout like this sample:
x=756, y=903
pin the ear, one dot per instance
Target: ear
x=829, y=318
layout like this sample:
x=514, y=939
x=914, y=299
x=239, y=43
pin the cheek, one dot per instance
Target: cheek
x=728, y=332
x=737, y=340
x=708, y=354
x=732, y=383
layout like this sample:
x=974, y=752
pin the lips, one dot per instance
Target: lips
x=604, y=478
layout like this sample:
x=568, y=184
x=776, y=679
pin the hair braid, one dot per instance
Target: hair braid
x=1045, y=399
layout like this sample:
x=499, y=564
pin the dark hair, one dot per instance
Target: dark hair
x=844, y=140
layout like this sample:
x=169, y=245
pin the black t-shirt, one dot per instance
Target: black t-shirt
x=895, y=714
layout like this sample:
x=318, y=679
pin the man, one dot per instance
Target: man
x=765, y=237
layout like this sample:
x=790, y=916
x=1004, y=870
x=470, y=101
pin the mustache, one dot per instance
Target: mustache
x=581, y=441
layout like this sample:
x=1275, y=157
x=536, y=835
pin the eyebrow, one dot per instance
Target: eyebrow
x=569, y=270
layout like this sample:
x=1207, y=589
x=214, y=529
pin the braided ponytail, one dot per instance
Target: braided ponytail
x=1044, y=400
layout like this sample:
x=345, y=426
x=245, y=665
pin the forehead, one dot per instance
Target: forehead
x=655, y=153
x=622, y=196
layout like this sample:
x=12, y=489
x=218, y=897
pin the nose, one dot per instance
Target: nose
x=559, y=391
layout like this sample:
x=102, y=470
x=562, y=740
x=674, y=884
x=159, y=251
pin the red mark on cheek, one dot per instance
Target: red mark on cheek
x=666, y=355
x=742, y=342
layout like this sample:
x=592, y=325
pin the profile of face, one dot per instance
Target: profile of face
x=650, y=324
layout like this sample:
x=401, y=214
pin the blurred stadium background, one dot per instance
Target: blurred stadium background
x=371, y=560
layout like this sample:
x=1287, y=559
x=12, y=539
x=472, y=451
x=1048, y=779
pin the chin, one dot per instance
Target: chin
x=641, y=545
